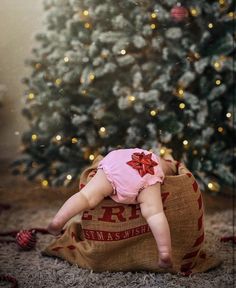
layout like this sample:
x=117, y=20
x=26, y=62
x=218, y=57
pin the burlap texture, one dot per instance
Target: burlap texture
x=115, y=237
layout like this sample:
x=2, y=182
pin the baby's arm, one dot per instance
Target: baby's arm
x=152, y=210
x=87, y=198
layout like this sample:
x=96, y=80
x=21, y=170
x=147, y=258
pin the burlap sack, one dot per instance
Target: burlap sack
x=115, y=237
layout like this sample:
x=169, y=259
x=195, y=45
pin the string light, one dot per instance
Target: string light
x=68, y=177
x=213, y=186
x=91, y=76
x=38, y=65
x=85, y=12
x=58, y=137
x=131, y=98
x=44, y=183
x=232, y=14
x=210, y=25
x=210, y=185
x=104, y=54
x=181, y=105
x=87, y=25
x=185, y=142
x=195, y=152
x=58, y=81
x=74, y=140
x=217, y=65
x=153, y=113
x=91, y=157
x=34, y=137
x=220, y=129
x=153, y=26
x=221, y=2
x=162, y=151
x=84, y=92
x=218, y=82
x=102, y=129
x=154, y=15
x=194, y=12
x=166, y=151
x=228, y=115
x=123, y=52
x=66, y=59
x=181, y=92
x=31, y=96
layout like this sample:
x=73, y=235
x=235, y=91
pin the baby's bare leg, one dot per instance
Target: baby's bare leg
x=152, y=210
x=87, y=198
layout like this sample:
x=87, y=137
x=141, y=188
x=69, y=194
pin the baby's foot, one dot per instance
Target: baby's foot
x=54, y=229
x=165, y=260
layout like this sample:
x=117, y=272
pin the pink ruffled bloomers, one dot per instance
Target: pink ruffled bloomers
x=129, y=171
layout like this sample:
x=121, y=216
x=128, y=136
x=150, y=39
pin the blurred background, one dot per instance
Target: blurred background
x=19, y=22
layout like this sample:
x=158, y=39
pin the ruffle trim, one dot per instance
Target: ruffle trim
x=106, y=171
x=152, y=182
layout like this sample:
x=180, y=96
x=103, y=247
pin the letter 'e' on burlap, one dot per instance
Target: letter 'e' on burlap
x=115, y=237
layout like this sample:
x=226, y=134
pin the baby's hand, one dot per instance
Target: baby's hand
x=54, y=229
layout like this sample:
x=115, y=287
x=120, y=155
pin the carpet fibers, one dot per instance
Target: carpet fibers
x=33, y=270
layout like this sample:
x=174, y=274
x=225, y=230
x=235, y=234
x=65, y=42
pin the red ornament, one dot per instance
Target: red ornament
x=26, y=239
x=228, y=238
x=9, y=278
x=179, y=13
x=143, y=163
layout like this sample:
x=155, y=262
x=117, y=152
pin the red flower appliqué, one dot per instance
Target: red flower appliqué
x=143, y=163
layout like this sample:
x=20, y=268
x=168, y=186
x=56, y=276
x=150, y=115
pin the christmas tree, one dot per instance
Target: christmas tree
x=116, y=74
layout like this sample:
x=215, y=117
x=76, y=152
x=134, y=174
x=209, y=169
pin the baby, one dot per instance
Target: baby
x=128, y=176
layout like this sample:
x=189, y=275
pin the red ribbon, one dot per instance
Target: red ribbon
x=143, y=163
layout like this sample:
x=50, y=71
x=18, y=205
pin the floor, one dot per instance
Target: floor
x=32, y=206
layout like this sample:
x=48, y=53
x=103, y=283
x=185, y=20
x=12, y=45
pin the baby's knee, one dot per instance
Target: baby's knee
x=149, y=209
x=91, y=200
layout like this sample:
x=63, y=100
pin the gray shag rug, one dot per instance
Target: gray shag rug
x=33, y=270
